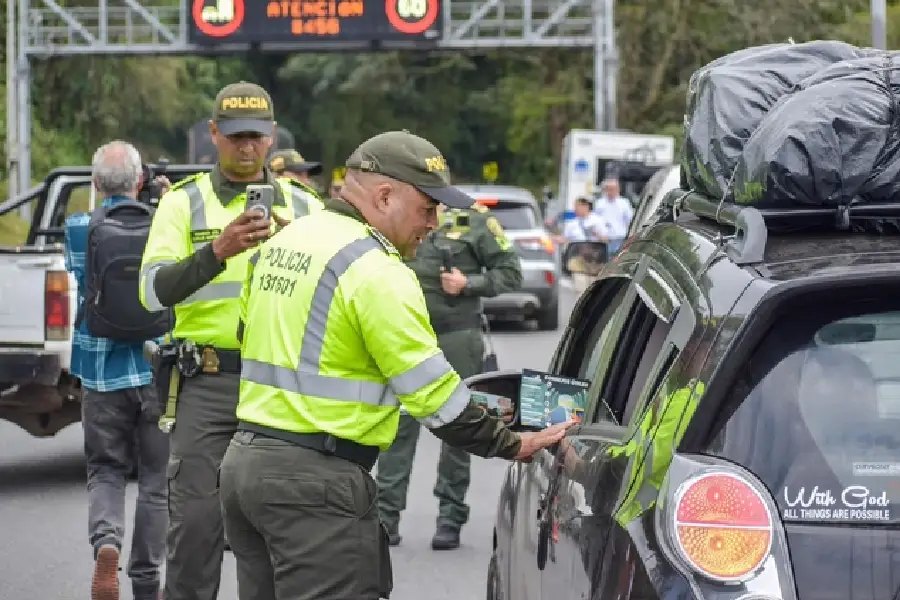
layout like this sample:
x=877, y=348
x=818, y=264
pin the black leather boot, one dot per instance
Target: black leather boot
x=445, y=538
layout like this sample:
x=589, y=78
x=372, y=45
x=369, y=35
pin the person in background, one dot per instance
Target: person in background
x=291, y=164
x=334, y=192
x=483, y=264
x=616, y=211
x=119, y=413
x=587, y=226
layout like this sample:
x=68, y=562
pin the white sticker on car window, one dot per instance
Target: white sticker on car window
x=853, y=503
x=876, y=469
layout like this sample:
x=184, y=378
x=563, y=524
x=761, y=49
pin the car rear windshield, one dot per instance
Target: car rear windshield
x=818, y=419
x=515, y=216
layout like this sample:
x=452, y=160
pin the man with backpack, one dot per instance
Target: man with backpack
x=120, y=411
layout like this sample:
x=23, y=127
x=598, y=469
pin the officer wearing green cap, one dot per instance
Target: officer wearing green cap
x=194, y=262
x=466, y=259
x=335, y=339
x=290, y=163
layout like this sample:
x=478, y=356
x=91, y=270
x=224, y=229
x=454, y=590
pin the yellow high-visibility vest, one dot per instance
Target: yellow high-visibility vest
x=336, y=337
x=189, y=217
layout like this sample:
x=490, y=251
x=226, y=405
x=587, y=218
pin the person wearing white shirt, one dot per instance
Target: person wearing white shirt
x=585, y=227
x=616, y=211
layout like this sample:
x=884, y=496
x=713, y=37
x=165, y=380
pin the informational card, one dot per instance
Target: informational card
x=543, y=396
x=496, y=406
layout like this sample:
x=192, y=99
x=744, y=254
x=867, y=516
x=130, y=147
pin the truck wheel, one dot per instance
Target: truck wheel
x=548, y=319
x=493, y=583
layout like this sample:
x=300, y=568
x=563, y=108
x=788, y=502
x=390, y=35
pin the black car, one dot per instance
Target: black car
x=741, y=438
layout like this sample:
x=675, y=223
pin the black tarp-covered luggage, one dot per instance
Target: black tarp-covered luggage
x=728, y=98
x=833, y=141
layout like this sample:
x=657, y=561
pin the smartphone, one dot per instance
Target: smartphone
x=261, y=197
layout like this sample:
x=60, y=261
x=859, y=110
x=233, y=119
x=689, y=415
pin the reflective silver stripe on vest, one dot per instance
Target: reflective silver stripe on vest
x=449, y=410
x=306, y=379
x=301, y=200
x=198, y=210
x=224, y=290
x=148, y=276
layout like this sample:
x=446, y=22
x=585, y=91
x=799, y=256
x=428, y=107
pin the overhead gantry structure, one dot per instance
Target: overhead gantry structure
x=40, y=29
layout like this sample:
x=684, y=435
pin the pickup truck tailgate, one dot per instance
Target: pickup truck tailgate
x=22, y=283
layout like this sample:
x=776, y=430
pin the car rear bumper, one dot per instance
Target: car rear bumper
x=539, y=291
x=35, y=366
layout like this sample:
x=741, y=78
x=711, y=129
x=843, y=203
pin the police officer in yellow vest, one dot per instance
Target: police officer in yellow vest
x=336, y=338
x=195, y=259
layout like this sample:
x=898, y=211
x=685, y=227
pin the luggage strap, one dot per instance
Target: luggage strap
x=364, y=456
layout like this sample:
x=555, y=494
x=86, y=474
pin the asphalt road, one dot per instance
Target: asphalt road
x=43, y=508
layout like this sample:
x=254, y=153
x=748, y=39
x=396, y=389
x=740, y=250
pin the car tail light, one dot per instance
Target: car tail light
x=723, y=527
x=57, y=323
x=549, y=277
x=537, y=243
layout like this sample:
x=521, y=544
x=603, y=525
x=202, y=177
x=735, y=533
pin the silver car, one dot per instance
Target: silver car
x=517, y=211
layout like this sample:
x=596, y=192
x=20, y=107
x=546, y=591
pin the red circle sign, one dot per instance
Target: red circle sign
x=391, y=8
x=222, y=30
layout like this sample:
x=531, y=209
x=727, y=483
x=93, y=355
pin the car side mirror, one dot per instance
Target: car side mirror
x=587, y=258
x=498, y=393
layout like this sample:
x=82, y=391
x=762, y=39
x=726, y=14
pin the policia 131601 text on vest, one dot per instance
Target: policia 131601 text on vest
x=180, y=269
x=473, y=242
x=336, y=338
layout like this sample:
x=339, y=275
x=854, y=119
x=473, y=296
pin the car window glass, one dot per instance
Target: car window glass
x=597, y=345
x=514, y=217
x=649, y=357
x=818, y=419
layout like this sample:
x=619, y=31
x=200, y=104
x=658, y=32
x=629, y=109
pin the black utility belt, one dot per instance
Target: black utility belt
x=364, y=456
x=443, y=325
x=195, y=359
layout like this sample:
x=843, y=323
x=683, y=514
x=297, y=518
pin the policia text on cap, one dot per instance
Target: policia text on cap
x=194, y=261
x=336, y=338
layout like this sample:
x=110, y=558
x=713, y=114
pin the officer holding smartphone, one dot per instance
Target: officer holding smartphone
x=195, y=261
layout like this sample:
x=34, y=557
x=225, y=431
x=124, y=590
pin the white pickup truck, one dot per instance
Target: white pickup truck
x=38, y=302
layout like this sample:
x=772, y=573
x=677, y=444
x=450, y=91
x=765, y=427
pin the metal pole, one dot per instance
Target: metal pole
x=23, y=99
x=611, y=55
x=879, y=24
x=12, y=119
x=599, y=66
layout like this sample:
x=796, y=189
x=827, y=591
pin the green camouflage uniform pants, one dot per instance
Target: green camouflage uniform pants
x=465, y=351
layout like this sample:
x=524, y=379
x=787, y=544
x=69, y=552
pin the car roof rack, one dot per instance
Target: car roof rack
x=752, y=225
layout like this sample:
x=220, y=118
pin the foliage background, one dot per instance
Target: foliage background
x=510, y=107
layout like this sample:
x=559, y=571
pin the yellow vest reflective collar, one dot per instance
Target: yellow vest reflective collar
x=322, y=376
x=210, y=315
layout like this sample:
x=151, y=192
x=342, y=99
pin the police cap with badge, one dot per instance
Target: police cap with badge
x=244, y=107
x=408, y=158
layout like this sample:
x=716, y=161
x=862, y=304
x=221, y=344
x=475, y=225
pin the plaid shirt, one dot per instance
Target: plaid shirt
x=103, y=365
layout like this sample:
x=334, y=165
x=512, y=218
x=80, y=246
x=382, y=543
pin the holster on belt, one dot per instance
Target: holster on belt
x=163, y=359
